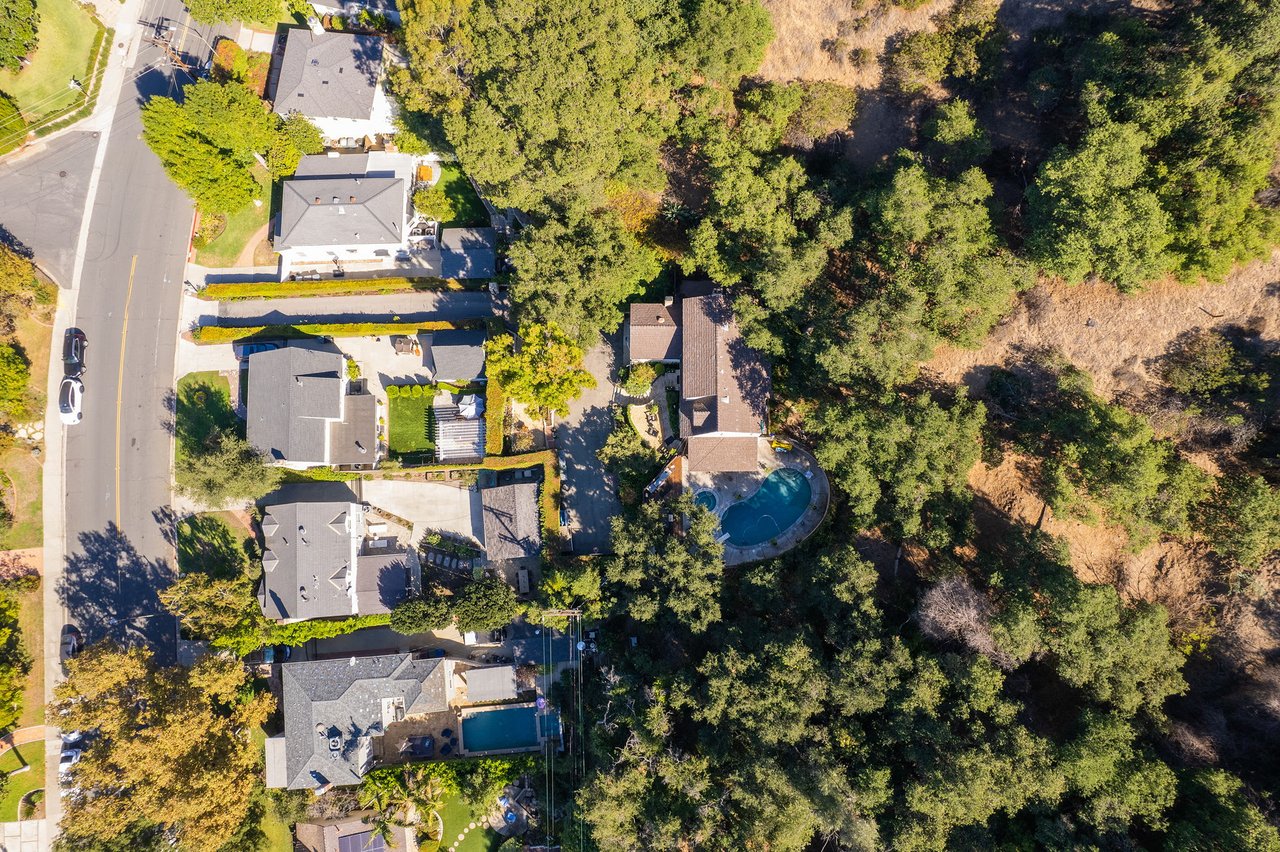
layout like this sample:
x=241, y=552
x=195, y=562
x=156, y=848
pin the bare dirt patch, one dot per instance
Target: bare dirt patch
x=1113, y=337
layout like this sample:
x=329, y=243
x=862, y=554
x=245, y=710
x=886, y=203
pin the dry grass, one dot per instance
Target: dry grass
x=1114, y=338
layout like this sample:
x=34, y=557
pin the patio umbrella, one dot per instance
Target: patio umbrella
x=470, y=407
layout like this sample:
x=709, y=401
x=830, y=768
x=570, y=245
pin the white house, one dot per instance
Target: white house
x=335, y=80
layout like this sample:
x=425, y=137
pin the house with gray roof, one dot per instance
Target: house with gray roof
x=303, y=412
x=724, y=383
x=321, y=560
x=353, y=207
x=335, y=709
x=335, y=80
x=509, y=514
x=455, y=355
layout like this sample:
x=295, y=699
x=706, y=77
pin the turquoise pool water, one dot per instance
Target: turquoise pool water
x=769, y=512
x=706, y=499
x=497, y=730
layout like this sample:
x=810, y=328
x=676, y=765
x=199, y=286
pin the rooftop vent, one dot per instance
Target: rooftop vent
x=668, y=301
x=351, y=198
x=335, y=199
x=302, y=594
x=317, y=199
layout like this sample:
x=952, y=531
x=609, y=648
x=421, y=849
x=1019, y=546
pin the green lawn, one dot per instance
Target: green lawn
x=208, y=544
x=457, y=816
x=21, y=486
x=203, y=405
x=22, y=783
x=471, y=213
x=279, y=834
x=410, y=428
x=66, y=37
x=241, y=227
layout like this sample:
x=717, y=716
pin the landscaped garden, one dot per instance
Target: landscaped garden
x=235, y=232
x=31, y=754
x=464, y=208
x=203, y=407
x=411, y=423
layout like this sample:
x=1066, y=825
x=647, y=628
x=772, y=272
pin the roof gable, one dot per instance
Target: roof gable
x=342, y=211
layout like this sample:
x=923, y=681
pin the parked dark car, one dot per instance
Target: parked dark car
x=73, y=346
x=276, y=654
x=72, y=641
x=244, y=350
x=431, y=653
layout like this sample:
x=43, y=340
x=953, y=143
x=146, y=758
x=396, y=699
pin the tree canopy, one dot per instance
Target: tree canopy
x=173, y=746
x=207, y=142
x=545, y=373
x=19, y=21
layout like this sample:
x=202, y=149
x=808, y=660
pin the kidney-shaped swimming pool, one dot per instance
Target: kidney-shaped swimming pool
x=771, y=511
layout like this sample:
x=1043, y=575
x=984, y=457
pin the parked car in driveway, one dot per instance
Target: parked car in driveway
x=73, y=347
x=71, y=737
x=244, y=350
x=71, y=400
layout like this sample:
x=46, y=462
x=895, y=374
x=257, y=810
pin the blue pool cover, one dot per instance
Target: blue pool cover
x=501, y=729
x=771, y=511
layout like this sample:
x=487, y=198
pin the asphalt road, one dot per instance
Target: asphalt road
x=42, y=200
x=117, y=460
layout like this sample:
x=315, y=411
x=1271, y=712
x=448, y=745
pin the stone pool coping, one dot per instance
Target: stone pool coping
x=770, y=460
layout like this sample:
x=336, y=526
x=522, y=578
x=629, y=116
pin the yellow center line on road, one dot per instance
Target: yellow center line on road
x=124, y=332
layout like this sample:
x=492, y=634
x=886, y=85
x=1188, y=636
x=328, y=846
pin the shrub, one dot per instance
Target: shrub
x=415, y=391
x=393, y=391
x=484, y=605
x=14, y=374
x=421, y=615
x=640, y=379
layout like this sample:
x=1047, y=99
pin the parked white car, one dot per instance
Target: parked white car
x=71, y=400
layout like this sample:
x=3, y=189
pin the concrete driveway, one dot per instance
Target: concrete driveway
x=428, y=506
x=589, y=493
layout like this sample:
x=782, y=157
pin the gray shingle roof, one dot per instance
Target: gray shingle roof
x=342, y=701
x=510, y=515
x=382, y=580
x=354, y=439
x=490, y=684
x=341, y=211
x=328, y=75
x=456, y=355
x=293, y=393
x=308, y=559
x=467, y=252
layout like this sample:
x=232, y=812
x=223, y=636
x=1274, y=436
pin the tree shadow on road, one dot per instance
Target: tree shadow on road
x=111, y=591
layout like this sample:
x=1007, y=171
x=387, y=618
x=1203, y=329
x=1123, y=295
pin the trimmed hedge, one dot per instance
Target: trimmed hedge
x=246, y=290
x=495, y=412
x=206, y=335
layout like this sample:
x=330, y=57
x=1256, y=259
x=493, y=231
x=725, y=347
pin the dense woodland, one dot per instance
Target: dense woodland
x=971, y=692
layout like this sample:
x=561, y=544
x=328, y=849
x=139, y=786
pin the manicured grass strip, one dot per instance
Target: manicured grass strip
x=409, y=424
x=22, y=491
x=241, y=291
x=211, y=334
x=471, y=212
x=23, y=782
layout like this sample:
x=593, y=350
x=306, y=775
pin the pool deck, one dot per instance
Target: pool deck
x=732, y=488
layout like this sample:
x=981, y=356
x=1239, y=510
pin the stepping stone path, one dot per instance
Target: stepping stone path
x=32, y=432
x=462, y=837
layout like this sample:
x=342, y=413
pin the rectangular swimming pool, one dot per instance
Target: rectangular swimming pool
x=500, y=729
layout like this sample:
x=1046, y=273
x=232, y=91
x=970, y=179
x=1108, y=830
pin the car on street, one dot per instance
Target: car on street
x=72, y=641
x=73, y=347
x=70, y=757
x=71, y=400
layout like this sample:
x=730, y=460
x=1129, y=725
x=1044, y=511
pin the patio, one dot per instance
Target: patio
x=418, y=738
x=733, y=488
